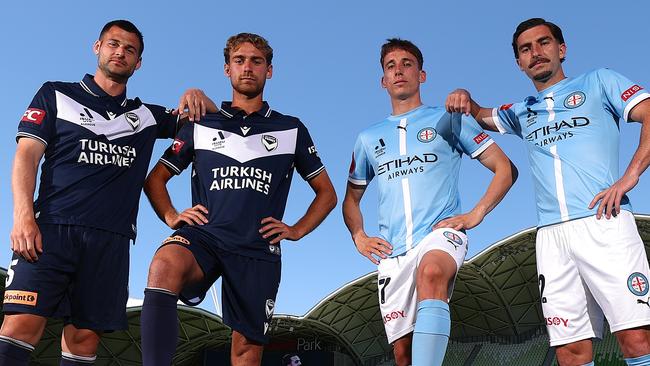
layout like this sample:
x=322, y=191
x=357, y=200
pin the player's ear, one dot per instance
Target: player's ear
x=226, y=70
x=96, y=46
x=423, y=76
x=137, y=66
x=562, y=51
x=383, y=82
x=269, y=71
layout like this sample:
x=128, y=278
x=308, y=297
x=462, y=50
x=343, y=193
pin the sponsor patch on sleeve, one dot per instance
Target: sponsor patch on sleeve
x=630, y=92
x=33, y=115
x=480, y=137
x=177, y=145
x=176, y=239
x=505, y=107
x=20, y=297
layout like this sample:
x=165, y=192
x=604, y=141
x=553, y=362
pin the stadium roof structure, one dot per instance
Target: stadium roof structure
x=496, y=295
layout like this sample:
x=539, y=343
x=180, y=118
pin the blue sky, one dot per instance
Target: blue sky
x=326, y=72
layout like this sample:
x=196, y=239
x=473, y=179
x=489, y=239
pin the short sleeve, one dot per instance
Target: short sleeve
x=167, y=124
x=181, y=153
x=308, y=164
x=621, y=94
x=361, y=171
x=506, y=120
x=39, y=120
x=472, y=140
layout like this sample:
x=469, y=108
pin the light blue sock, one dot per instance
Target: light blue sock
x=638, y=361
x=432, y=327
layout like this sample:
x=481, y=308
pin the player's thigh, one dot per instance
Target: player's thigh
x=100, y=288
x=570, y=312
x=613, y=263
x=176, y=263
x=250, y=286
x=440, y=255
x=396, y=285
x=40, y=288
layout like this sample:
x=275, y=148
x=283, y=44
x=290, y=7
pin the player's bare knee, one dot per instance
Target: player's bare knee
x=432, y=273
x=577, y=353
x=634, y=342
x=168, y=268
x=23, y=327
x=81, y=342
x=402, y=356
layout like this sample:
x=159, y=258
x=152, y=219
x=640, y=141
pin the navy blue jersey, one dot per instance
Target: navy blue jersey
x=242, y=169
x=97, y=154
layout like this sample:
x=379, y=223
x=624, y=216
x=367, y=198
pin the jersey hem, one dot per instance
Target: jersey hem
x=58, y=221
x=576, y=217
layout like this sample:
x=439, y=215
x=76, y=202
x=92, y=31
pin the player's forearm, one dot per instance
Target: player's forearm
x=505, y=175
x=641, y=158
x=155, y=187
x=483, y=116
x=353, y=217
x=23, y=182
x=23, y=177
x=320, y=207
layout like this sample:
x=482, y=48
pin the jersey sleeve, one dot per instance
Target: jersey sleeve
x=39, y=120
x=621, y=94
x=181, y=153
x=361, y=171
x=167, y=124
x=506, y=120
x=308, y=164
x=472, y=140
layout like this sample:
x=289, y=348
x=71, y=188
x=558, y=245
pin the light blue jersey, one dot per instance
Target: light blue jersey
x=572, y=134
x=416, y=159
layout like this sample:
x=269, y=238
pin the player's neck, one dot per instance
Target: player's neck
x=111, y=87
x=542, y=85
x=401, y=106
x=246, y=103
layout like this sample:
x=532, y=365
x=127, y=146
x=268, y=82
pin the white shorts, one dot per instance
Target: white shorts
x=587, y=268
x=397, y=284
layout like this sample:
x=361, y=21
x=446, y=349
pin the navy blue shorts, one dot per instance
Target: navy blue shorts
x=249, y=285
x=81, y=276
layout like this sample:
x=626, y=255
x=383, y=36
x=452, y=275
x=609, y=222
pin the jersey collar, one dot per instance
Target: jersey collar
x=542, y=93
x=228, y=110
x=89, y=85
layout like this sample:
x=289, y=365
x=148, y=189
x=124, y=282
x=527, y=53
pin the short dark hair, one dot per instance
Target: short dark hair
x=127, y=26
x=393, y=44
x=534, y=22
x=286, y=359
x=258, y=41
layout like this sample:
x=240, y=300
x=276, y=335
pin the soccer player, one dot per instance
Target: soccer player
x=415, y=155
x=590, y=260
x=291, y=359
x=71, y=246
x=243, y=160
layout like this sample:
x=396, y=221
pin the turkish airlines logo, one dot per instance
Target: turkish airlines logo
x=177, y=145
x=33, y=115
x=630, y=92
x=505, y=107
